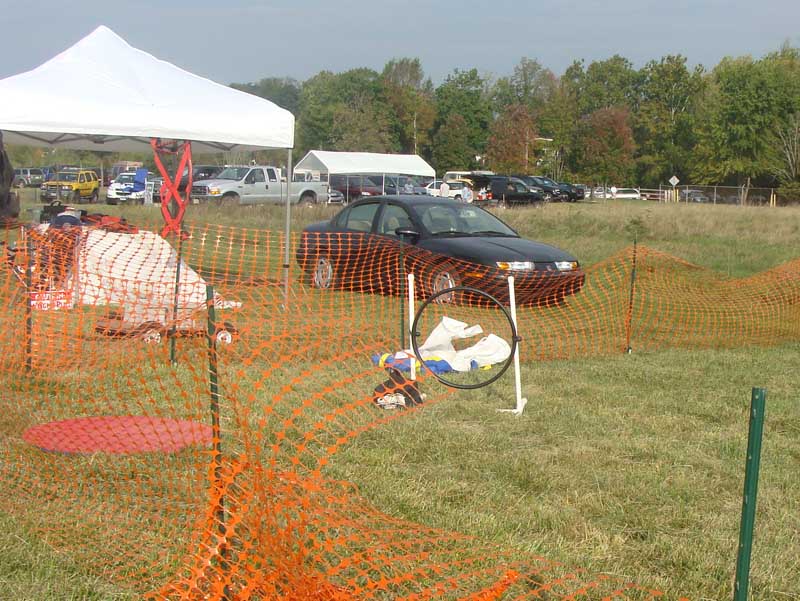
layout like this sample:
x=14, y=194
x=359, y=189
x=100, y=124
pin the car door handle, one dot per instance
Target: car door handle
x=266, y=186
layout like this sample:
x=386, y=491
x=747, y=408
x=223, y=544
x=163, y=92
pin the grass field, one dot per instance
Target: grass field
x=630, y=466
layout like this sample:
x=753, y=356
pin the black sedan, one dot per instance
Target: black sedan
x=371, y=244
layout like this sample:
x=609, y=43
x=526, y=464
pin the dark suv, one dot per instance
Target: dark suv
x=550, y=189
x=503, y=189
x=573, y=193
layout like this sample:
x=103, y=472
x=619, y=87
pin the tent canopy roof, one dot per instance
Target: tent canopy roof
x=103, y=94
x=343, y=163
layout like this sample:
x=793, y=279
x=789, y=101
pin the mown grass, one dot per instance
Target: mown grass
x=630, y=465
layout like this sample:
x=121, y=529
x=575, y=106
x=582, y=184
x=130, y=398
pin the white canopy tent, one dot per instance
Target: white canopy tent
x=364, y=163
x=103, y=94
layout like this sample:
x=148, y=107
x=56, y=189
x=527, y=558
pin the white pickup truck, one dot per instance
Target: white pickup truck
x=256, y=184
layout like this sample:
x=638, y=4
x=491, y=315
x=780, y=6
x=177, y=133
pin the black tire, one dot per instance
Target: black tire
x=308, y=199
x=442, y=277
x=457, y=197
x=95, y=196
x=323, y=273
x=231, y=198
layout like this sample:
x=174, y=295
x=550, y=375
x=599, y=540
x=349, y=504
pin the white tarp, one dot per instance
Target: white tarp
x=364, y=163
x=438, y=347
x=137, y=272
x=103, y=94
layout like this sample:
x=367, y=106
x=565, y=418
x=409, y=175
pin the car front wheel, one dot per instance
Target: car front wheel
x=441, y=278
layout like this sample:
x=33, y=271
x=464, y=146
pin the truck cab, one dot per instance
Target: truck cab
x=255, y=184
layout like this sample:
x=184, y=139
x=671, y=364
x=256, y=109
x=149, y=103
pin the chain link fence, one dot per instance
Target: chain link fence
x=727, y=195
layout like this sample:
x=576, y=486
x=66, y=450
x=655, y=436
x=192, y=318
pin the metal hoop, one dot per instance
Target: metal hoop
x=473, y=291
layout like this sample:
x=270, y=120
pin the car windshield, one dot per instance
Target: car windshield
x=67, y=177
x=235, y=173
x=456, y=219
x=125, y=178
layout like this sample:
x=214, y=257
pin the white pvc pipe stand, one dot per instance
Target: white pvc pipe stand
x=521, y=401
x=413, y=359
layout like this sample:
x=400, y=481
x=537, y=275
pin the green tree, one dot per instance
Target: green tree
x=322, y=98
x=746, y=100
x=559, y=121
x=283, y=91
x=361, y=126
x=410, y=97
x=451, y=146
x=464, y=93
x=512, y=141
x=318, y=101
x=604, y=84
x=531, y=86
x=665, y=121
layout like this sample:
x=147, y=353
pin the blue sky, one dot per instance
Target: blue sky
x=240, y=41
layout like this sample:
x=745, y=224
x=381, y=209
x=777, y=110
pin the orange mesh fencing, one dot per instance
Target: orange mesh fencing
x=177, y=443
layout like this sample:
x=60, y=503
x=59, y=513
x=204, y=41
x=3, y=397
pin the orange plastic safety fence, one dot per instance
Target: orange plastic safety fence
x=115, y=366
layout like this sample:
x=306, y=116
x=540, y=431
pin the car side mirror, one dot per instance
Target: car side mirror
x=407, y=233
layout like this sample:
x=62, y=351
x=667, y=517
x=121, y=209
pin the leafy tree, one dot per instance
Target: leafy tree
x=604, y=84
x=451, y=146
x=785, y=151
x=318, y=100
x=410, y=96
x=746, y=100
x=361, y=126
x=531, y=85
x=664, y=124
x=463, y=93
x=608, y=146
x=322, y=98
x=512, y=141
x=559, y=120
x=283, y=91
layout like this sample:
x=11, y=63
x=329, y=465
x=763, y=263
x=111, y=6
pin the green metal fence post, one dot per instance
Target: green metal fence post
x=213, y=386
x=629, y=316
x=28, y=306
x=752, y=464
x=174, y=327
x=402, y=269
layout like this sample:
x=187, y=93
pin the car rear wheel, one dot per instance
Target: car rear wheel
x=324, y=274
x=308, y=200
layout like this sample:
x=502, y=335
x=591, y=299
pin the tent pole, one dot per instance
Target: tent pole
x=287, y=232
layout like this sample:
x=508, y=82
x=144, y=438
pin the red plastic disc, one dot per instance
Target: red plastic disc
x=119, y=435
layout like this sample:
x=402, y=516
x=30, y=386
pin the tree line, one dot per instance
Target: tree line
x=601, y=122
x=605, y=121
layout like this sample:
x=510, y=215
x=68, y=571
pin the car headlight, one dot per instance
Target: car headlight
x=566, y=265
x=66, y=188
x=366, y=194
x=516, y=265
x=214, y=191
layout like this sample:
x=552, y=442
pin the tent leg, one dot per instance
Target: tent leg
x=287, y=231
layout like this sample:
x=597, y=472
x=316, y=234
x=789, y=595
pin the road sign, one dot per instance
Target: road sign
x=674, y=181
